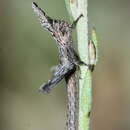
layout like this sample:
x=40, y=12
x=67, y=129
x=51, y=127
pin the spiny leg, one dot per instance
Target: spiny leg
x=73, y=25
x=62, y=71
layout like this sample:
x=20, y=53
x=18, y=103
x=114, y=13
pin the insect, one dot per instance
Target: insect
x=61, y=31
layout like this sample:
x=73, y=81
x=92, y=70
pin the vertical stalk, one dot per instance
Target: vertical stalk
x=75, y=8
x=72, y=104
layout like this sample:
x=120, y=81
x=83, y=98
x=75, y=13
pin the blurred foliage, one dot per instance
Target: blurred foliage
x=27, y=53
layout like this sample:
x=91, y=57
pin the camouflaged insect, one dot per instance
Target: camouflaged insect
x=61, y=31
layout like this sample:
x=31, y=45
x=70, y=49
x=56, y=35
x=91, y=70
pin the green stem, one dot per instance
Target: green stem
x=75, y=8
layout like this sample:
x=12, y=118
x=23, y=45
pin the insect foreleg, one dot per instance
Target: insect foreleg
x=61, y=72
x=73, y=25
x=54, y=69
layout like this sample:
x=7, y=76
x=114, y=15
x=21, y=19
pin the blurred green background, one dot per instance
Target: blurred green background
x=27, y=53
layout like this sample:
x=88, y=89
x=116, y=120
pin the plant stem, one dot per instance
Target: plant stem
x=76, y=8
x=72, y=106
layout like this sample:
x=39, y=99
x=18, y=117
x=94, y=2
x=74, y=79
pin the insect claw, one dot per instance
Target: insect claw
x=83, y=63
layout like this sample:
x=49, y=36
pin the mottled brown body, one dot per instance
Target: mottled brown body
x=61, y=31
